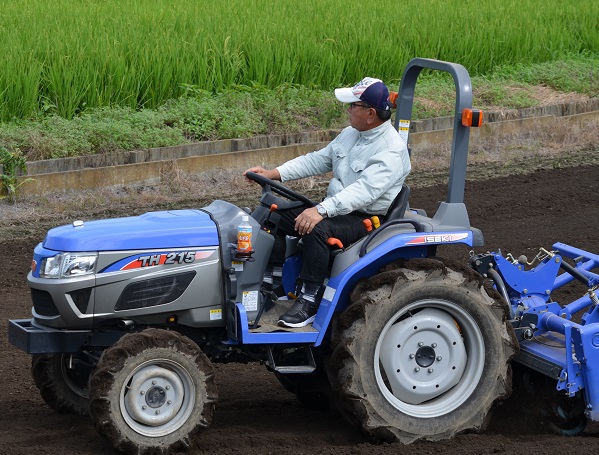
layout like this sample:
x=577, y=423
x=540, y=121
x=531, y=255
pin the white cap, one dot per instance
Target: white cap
x=370, y=90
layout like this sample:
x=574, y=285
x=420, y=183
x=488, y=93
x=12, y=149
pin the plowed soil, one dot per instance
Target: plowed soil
x=255, y=415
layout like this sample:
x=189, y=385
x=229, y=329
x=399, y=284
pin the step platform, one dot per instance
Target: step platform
x=267, y=330
x=268, y=322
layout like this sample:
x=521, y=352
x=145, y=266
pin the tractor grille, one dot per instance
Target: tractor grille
x=156, y=291
x=43, y=303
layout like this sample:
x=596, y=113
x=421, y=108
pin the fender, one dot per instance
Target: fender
x=402, y=246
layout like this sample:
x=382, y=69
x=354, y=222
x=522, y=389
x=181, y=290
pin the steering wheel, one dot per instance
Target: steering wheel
x=271, y=186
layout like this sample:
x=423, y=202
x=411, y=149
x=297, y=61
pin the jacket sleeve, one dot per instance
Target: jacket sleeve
x=313, y=163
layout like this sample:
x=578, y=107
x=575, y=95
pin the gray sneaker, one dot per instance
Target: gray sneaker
x=301, y=314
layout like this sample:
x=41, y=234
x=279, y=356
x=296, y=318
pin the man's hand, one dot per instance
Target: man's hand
x=272, y=174
x=306, y=221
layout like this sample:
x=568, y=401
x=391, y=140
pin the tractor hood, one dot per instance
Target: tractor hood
x=168, y=229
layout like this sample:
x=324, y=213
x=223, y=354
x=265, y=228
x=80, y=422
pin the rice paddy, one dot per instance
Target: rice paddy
x=64, y=56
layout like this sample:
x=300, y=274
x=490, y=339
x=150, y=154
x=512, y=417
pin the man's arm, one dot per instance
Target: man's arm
x=313, y=163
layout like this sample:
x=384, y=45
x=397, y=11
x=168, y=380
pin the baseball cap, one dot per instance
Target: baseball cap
x=370, y=90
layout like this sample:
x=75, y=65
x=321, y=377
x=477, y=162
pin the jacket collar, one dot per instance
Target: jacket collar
x=374, y=133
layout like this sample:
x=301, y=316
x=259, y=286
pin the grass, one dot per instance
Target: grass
x=198, y=115
x=249, y=110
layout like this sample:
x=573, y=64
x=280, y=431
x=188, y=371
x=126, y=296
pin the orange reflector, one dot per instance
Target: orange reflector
x=393, y=99
x=171, y=319
x=472, y=117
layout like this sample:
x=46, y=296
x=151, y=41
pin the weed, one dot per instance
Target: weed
x=13, y=164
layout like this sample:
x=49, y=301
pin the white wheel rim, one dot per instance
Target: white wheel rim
x=429, y=363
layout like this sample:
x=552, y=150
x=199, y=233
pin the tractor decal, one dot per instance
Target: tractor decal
x=438, y=238
x=159, y=258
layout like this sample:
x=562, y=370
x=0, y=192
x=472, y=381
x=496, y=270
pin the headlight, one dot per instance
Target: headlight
x=66, y=265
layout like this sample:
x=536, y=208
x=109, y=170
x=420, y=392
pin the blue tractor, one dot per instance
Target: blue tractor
x=130, y=314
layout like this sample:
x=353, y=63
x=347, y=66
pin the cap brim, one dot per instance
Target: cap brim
x=345, y=95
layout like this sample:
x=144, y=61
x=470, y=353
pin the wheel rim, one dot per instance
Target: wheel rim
x=157, y=398
x=429, y=358
x=76, y=379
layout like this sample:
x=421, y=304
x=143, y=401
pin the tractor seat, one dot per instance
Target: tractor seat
x=399, y=205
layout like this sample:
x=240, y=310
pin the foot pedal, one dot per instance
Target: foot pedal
x=306, y=368
x=267, y=301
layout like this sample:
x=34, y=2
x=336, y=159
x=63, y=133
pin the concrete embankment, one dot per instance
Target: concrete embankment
x=147, y=166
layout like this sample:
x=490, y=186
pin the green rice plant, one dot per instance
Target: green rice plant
x=20, y=82
x=66, y=56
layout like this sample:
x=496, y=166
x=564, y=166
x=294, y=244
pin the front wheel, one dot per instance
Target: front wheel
x=152, y=392
x=423, y=353
x=62, y=380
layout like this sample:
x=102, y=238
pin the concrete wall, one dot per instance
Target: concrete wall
x=151, y=171
x=176, y=152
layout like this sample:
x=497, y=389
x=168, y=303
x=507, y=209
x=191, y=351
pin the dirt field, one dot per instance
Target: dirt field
x=255, y=415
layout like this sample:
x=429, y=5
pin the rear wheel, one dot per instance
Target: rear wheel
x=62, y=380
x=152, y=392
x=423, y=353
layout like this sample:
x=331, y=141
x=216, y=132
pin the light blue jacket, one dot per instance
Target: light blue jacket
x=369, y=168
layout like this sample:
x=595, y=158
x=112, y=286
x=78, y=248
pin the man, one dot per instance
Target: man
x=369, y=161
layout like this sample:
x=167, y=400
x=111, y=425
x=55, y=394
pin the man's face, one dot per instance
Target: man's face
x=361, y=116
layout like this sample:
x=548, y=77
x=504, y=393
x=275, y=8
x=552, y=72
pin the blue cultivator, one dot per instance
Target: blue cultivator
x=561, y=341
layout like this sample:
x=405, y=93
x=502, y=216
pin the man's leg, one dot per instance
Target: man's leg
x=273, y=275
x=348, y=229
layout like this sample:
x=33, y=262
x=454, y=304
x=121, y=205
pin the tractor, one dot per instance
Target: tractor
x=130, y=315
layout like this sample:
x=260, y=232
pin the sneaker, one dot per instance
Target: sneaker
x=301, y=314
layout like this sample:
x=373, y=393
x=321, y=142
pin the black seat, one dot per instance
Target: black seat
x=399, y=205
